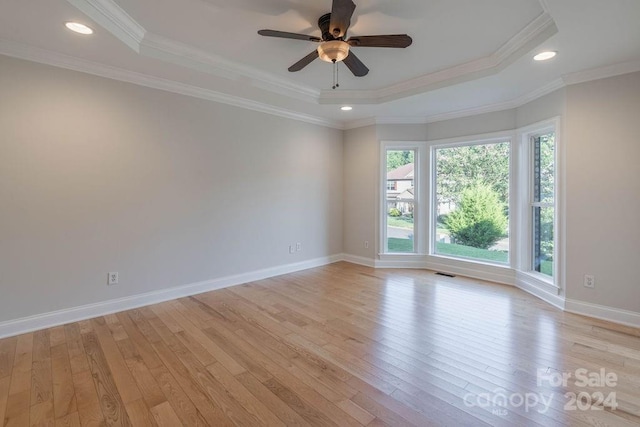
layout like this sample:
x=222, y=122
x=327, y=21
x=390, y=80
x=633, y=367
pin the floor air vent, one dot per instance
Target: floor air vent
x=445, y=274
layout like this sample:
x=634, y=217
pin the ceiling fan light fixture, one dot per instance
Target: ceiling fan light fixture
x=333, y=51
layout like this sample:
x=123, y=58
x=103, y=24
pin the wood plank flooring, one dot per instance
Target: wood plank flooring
x=338, y=345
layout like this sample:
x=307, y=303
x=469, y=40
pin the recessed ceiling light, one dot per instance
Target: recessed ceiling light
x=543, y=56
x=346, y=108
x=78, y=28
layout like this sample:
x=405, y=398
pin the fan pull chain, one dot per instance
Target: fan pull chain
x=336, y=83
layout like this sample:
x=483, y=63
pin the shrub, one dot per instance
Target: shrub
x=395, y=212
x=479, y=220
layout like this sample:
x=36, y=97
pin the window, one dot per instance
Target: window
x=489, y=201
x=542, y=203
x=471, y=203
x=400, y=201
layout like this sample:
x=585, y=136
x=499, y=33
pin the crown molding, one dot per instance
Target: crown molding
x=114, y=19
x=31, y=53
x=401, y=120
x=602, y=72
x=536, y=32
x=500, y=106
x=545, y=5
x=156, y=46
x=360, y=123
x=539, y=93
x=491, y=108
x=385, y=120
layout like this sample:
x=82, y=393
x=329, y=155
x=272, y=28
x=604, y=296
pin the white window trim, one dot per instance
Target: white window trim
x=420, y=201
x=523, y=264
x=514, y=274
x=491, y=138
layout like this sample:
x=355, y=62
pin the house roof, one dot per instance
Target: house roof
x=404, y=172
x=406, y=194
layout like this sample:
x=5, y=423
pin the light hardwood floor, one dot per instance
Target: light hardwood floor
x=337, y=345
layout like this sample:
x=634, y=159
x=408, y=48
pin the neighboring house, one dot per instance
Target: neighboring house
x=400, y=191
x=400, y=188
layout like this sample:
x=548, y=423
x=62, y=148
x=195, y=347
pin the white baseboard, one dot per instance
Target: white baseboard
x=354, y=259
x=416, y=265
x=508, y=276
x=541, y=290
x=492, y=273
x=74, y=314
x=603, y=312
x=415, y=261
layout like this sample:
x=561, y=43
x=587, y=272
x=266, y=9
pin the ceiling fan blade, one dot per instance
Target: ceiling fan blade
x=355, y=65
x=285, y=35
x=391, y=40
x=341, y=13
x=304, y=62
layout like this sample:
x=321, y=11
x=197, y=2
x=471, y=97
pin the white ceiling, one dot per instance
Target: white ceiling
x=467, y=55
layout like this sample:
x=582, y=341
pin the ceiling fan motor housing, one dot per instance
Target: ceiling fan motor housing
x=324, y=22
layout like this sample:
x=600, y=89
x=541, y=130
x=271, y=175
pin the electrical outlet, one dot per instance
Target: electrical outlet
x=366, y=244
x=298, y=246
x=589, y=281
x=113, y=278
x=292, y=249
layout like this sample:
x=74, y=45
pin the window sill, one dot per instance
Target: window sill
x=471, y=261
x=499, y=273
x=541, y=278
x=401, y=254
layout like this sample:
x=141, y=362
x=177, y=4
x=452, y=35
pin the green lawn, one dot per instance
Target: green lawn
x=400, y=245
x=470, y=252
x=546, y=267
x=400, y=221
x=406, y=245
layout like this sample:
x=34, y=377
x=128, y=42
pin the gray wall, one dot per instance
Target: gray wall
x=603, y=191
x=417, y=132
x=361, y=153
x=543, y=108
x=98, y=176
x=474, y=125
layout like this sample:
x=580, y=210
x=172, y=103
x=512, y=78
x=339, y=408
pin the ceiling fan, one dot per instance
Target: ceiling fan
x=334, y=45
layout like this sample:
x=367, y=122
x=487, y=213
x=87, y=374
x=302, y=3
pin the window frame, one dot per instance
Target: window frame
x=500, y=137
x=419, y=231
x=527, y=202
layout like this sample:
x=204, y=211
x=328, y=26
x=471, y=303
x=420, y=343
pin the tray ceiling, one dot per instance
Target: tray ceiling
x=466, y=55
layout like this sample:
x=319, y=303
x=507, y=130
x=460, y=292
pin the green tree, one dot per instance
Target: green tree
x=396, y=158
x=546, y=192
x=461, y=167
x=479, y=220
x=547, y=171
